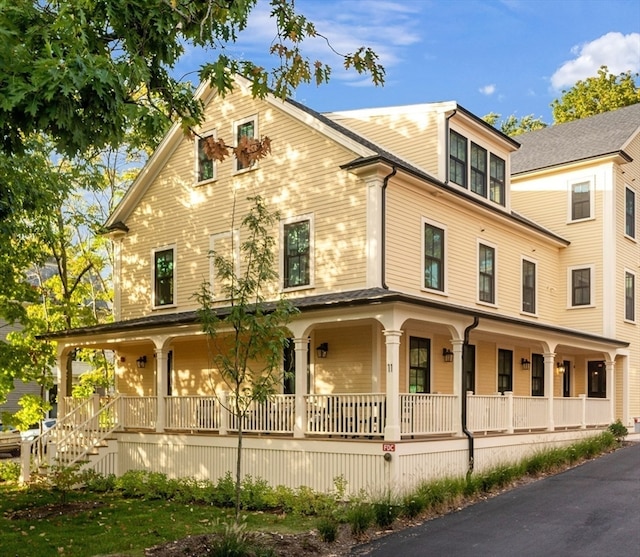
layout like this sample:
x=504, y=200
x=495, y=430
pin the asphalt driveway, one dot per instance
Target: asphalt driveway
x=592, y=510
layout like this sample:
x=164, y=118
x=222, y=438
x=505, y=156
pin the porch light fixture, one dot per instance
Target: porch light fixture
x=560, y=368
x=526, y=364
x=141, y=361
x=447, y=355
x=322, y=350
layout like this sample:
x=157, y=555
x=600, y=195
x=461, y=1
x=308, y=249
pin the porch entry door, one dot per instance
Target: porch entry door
x=469, y=369
x=169, y=372
x=566, y=379
x=289, y=367
x=596, y=379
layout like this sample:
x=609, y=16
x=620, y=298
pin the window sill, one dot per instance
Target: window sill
x=167, y=306
x=297, y=288
x=205, y=182
x=487, y=304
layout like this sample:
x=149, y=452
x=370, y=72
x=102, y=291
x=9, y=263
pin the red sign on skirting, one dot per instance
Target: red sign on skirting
x=388, y=447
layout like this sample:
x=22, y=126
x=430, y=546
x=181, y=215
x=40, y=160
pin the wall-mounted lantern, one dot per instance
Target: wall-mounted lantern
x=447, y=355
x=526, y=364
x=322, y=350
x=142, y=361
x=560, y=368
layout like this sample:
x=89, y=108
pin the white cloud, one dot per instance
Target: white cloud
x=620, y=53
x=488, y=89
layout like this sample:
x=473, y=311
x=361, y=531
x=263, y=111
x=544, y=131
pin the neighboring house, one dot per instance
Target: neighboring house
x=582, y=180
x=21, y=388
x=433, y=331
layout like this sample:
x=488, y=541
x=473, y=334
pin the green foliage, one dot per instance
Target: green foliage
x=33, y=409
x=513, y=126
x=595, y=95
x=385, y=511
x=359, y=516
x=60, y=479
x=9, y=471
x=328, y=529
x=67, y=65
x=618, y=430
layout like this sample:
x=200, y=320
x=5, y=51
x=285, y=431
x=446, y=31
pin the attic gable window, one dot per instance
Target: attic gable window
x=164, y=276
x=205, y=168
x=248, y=127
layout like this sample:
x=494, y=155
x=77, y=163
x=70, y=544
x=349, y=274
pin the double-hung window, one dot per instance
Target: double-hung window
x=629, y=296
x=164, y=270
x=630, y=213
x=458, y=159
x=581, y=287
x=486, y=274
x=505, y=370
x=248, y=128
x=478, y=170
x=581, y=200
x=205, y=168
x=528, y=286
x=433, y=257
x=496, y=179
x=297, y=246
x=419, y=376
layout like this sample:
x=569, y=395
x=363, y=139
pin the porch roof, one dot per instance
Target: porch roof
x=329, y=301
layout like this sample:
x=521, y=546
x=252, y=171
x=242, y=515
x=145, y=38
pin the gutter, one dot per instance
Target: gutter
x=469, y=435
x=383, y=232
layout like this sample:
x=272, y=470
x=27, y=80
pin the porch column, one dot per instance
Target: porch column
x=62, y=381
x=161, y=388
x=458, y=383
x=611, y=388
x=301, y=355
x=392, y=427
x=549, y=361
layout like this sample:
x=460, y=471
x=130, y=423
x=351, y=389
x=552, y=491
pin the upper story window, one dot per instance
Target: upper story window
x=629, y=296
x=478, y=170
x=505, y=370
x=433, y=257
x=528, y=286
x=205, y=168
x=164, y=276
x=458, y=159
x=497, y=179
x=486, y=274
x=473, y=166
x=297, y=249
x=248, y=127
x=581, y=200
x=630, y=213
x=581, y=286
x=419, y=374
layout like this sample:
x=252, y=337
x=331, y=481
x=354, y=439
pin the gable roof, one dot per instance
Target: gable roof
x=604, y=134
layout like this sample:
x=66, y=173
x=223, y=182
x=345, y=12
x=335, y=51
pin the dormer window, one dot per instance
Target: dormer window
x=474, y=167
x=205, y=169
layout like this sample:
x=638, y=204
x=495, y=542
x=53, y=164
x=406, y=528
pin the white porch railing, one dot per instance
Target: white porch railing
x=598, y=411
x=487, y=413
x=428, y=414
x=138, y=412
x=346, y=414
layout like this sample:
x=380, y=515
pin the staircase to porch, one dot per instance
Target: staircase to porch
x=81, y=436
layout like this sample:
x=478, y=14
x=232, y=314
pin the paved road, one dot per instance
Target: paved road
x=589, y=511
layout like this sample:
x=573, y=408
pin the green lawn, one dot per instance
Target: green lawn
x=117, y=525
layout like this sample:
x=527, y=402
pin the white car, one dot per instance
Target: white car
x=35, y=430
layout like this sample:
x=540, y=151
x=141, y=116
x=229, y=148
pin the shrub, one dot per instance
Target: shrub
x=618, y=430
x=359, y=517
x=328, y=529
x=413, y=504
x=225, y=491
x=9, y=471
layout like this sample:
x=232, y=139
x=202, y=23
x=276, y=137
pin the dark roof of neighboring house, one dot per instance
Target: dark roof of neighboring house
x=325, y=301
x=596, y=136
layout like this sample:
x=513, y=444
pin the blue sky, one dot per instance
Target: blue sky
x=504, y=56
